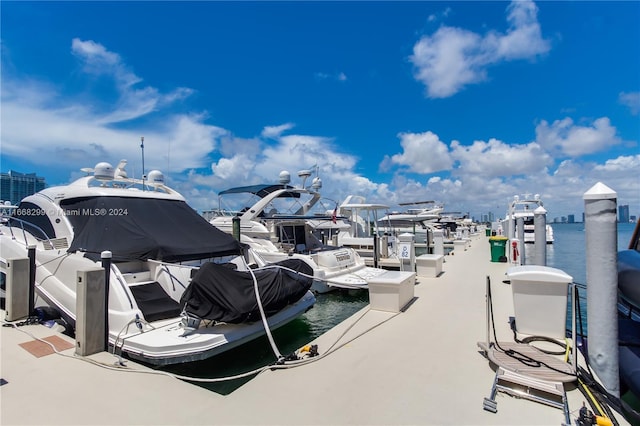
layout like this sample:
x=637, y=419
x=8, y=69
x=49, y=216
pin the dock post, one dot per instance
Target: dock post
x=540, y=232
x=17, y=289
x=106, y=264
x=384, y=247
x=376, y=250
x=235, y=222
x=90, y=307
x=406, y=252
x=601, y=240
x=520, y=236
x=31, y=254
x=438, y=241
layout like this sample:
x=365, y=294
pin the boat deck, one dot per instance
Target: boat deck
x=418, y=367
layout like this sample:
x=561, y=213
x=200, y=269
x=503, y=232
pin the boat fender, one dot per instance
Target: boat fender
x=311, y=349
x=603, y=421
x=586, y=417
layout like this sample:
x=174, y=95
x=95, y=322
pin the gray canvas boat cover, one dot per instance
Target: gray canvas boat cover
x=219, y=292
x=144, y=228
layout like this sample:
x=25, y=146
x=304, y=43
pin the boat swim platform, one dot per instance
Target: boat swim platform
x=421, y=366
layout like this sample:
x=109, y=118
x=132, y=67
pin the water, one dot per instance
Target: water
x=330, y=309
x=567, y=253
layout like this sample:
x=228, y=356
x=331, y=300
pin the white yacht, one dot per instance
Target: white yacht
x=524, y=208
x=275, y=224
x=411, y=216
x=168, y=263
x=358, y=222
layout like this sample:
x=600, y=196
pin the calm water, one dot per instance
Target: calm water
x=567, y=253
x=330, y=309
x=568, y=250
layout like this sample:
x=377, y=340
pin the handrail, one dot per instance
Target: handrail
x=121, y=281
x=165, y=267
x=24, y=233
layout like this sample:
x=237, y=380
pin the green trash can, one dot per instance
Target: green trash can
x=498, y=248
x=488, y=232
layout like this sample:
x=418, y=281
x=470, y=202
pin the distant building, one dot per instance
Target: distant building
x=571, y=218
x=623, y=214
x=14, y=186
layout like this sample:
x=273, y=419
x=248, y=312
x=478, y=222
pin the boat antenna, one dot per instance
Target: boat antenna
x=169, y=158
x=142, y=148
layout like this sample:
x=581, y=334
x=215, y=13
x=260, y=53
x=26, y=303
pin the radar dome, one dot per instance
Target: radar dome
x=103, y=171
x=156, y=177
x=304, y=173
x=284, y=177
x=316, y=183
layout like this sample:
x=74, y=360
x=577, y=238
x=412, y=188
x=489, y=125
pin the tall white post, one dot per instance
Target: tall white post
x=520, y=236
x=601, y=239
x=438, y=241
x=540, y=235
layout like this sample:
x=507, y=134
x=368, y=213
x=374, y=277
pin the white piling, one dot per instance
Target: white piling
x=438, y=241
x=540, y=235
x=601, y=239
x=406, y=252
x=90, y=308
x=520, y=236
x=17, y=288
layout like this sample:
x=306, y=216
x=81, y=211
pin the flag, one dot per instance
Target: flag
x=334, y=216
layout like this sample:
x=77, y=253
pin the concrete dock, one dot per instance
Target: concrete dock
x=418, y=367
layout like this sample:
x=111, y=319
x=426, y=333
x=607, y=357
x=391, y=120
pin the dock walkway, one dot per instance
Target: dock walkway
x=418, y=367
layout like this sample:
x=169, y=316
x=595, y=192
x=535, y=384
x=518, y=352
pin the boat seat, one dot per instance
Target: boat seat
x=154, y=302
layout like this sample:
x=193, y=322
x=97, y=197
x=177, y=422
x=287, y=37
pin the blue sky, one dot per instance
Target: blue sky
x=465, y=103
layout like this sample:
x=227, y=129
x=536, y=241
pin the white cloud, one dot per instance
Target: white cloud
x=340, y=76
x=487, y=174
x=496, y=158
x=236, y=169
x=72, y=131
x=77, y=133
x=631, y=100
x=565, y=137
x=267, y=158
x=453, y=58
x=132, y=102
x=621, y=164
x=98, y=60
x=423, y=153
x=273, y=132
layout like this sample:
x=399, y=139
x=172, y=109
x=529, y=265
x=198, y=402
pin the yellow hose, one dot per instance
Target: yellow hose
x=592, y=398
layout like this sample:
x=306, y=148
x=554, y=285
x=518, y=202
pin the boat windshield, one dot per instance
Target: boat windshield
x=144, y=228
x=280, y=203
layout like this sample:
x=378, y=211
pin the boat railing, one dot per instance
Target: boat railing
x=172, y=277
x=23, y=223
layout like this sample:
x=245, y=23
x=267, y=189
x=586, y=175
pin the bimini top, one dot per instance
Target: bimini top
x=261, y=190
